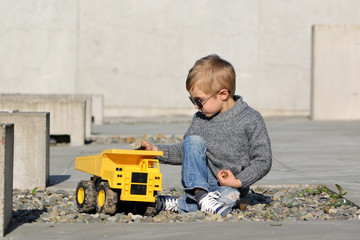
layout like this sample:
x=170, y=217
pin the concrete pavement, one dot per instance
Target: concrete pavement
x=344, y=230
x=304, y=152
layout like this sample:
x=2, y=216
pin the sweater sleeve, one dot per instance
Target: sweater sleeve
x=172, y=153
x=260, y=153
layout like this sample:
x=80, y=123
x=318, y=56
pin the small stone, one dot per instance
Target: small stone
x=333, y=211
x=276, y=204
x=307, y=217
x=260, y=207
x=288, y=201
x=215, y=217
x=71, y=216
x=61, y=192
x=240, y=215
x=24, y=191
x=317, y=213
x=325, y=217
x=353, y=210
x=112, y=219
x=148, y=219
x=134, y=217
x=128, y=217
x=326, y=209
x=200, y=215
x=45, y=215
x=136, y=145
x=159, y=218
x=138, y=220
x=278, y=196
x=103, y=216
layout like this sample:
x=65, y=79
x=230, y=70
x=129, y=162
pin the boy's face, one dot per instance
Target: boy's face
x=212, y=103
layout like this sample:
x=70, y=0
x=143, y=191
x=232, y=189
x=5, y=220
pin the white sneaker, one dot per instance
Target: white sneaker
x=210, y=203
x=167, y=203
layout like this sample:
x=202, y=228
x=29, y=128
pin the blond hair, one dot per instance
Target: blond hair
x=211, y=74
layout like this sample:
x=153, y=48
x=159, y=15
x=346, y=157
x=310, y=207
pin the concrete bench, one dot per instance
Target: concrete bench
x=6, y=175
x=31, y=148
x=69, y=114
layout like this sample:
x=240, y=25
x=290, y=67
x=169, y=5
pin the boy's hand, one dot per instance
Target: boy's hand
x=227, y=178
x=148, y=146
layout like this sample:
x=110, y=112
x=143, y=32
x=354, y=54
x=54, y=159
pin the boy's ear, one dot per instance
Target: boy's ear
x=224, y=94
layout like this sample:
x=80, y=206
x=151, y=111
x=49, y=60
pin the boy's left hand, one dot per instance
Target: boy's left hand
x=227, y=178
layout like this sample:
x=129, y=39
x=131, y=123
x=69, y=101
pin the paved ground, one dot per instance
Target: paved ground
x=304, y=152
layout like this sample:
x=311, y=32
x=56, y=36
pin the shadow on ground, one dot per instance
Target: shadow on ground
x=56, y=179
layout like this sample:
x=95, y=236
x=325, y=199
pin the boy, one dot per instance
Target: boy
x=226, y=148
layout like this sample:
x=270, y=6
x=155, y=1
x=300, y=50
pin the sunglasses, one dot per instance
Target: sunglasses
x=200, y=103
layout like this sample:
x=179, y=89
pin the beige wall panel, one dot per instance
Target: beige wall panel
x=336, y=72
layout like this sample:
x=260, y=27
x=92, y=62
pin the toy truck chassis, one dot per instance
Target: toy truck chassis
x=119, y=176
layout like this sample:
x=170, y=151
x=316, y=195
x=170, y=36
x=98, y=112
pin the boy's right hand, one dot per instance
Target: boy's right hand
x=227, y=178
x=148, y=146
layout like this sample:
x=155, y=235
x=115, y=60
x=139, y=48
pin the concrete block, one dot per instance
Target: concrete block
x=88, y=110
x=6, y=175
x=31, y=148
x=69, y=114
x=97, y=109
x=336, y=71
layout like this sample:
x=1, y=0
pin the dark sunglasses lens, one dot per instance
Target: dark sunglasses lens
x=198, y=103
x=192, y=100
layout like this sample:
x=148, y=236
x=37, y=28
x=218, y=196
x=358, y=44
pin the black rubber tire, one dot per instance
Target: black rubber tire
x=85, y=196
x=141, y=208
x=152, y=208
x=106, y=199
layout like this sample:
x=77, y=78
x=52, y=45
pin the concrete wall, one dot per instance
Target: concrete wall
x=6, y=175
x=137, y=53
x=38, y=46
x=31, y=148
x=336, y=72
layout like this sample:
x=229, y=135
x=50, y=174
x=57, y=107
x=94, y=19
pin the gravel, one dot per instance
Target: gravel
x=117, y=139
x=315, y=203
x=274, y=204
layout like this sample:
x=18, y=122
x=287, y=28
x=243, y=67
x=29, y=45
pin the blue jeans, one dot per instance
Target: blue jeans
x=196, y=174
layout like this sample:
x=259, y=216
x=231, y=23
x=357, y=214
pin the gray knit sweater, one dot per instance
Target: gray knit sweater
x=236, y=139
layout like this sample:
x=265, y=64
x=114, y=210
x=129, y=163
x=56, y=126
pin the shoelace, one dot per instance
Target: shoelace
x=171, y=205
x=210, y=204
x=168, y=204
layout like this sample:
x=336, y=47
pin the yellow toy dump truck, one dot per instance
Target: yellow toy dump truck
x=119, y=176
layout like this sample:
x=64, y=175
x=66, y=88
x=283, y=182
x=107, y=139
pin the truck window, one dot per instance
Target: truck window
x=152, y=164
